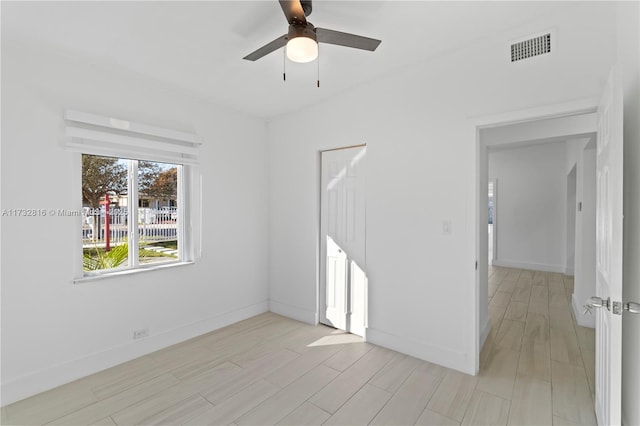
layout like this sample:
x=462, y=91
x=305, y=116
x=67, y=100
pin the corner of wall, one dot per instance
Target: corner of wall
x=293, y=312
x=584, y=320
x=486, y=329
x=544, y=267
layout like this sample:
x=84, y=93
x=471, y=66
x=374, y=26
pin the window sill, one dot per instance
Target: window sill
x=125, y=272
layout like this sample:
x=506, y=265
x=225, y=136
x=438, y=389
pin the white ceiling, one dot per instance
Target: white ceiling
x=198, y=46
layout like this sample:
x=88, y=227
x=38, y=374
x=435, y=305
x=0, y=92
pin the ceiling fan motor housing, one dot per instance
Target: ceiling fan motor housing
x=306, y=7
x=304, y=30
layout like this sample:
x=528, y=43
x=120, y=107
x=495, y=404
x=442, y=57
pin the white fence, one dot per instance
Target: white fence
x=154, y=225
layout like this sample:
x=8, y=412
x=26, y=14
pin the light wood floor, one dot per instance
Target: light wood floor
x=536, y=368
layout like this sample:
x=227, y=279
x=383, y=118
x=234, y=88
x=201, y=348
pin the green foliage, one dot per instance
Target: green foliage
x=148, y=172
x=145, y=254
x=165, y=184
x=101, y=175
x=98, y=258
x=173, y=244
x=105, y=259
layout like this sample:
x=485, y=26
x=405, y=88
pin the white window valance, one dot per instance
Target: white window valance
x=101, y=135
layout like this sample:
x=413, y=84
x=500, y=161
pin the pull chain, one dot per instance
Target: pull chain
x=284, y=63
x=318, y=65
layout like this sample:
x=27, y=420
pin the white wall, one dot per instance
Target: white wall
x=419, y=127
x=54, y=331
x=585, y=227
x=532, y=192
x=628, y=48
x=573, y=152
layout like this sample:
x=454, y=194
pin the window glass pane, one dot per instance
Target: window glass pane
x=105, y=214
x=157, y=212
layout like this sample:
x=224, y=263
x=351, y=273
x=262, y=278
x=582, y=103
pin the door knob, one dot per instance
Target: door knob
x=598, y=302
x=632, y=307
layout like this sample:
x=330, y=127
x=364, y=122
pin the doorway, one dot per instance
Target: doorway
x=606, y=125
x=343, y=281
x=518, y=129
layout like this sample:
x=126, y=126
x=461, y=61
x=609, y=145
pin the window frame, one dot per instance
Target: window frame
x=133, y=197
x=133, y=264
x=91, y=134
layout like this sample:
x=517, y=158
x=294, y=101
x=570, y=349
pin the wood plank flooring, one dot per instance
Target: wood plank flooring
x=536, y=368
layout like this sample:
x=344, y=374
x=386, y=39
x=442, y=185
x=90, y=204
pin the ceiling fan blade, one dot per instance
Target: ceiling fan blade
x=267, y=48
x=345, y=39
x=293, y=11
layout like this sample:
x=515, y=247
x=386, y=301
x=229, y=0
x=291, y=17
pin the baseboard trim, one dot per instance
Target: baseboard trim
x=569, y=271
x=57, y=375
x=293, y=312
x=578, y=312
x=486, y=329
x=425, y=351
x=529, y=265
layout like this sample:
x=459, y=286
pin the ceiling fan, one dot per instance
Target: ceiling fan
x=303, y=38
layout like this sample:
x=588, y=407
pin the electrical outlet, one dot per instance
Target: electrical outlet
x=141, y=333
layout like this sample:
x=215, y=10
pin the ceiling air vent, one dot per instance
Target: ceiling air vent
x=532, y=47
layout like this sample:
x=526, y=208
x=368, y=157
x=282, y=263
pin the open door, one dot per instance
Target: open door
x=343, y=282
x=609, y=162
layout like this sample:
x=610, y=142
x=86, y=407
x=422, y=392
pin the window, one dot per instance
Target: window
x=113, y=238
x=140, y=195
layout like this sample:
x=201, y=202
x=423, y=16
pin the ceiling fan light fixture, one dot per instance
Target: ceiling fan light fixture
x=302, y=49
x=302, y=45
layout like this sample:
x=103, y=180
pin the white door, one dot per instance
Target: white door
x=609, y=162
x=343, y=283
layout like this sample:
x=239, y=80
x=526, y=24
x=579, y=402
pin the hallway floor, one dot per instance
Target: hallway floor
x=536, y=356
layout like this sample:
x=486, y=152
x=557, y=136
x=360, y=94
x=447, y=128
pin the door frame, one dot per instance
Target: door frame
x=494, y=230
x=583, y=106
x=319, y=261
